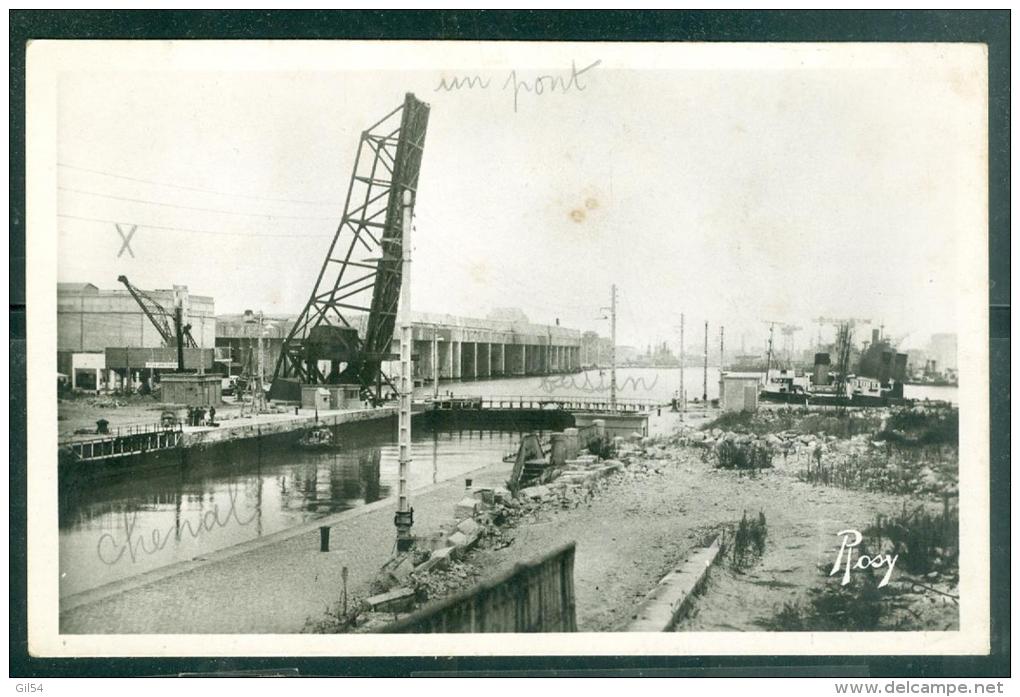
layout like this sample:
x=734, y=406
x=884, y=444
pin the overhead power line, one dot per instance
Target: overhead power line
x=193, y=230
x=190, y=208
x=195, y=188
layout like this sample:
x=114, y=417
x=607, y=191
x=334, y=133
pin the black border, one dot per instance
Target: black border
x=988, y=27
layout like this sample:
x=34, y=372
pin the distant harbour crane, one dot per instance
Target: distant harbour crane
x=170, y=326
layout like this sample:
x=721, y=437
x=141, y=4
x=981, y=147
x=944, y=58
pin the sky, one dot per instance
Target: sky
x=734, y=191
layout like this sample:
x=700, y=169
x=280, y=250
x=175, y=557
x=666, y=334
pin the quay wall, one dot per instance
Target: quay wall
x=202, y=445
x=259, y=429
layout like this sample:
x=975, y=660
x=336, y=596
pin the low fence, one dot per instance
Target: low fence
x=132, y=440
x=542, y=402
x=569, y=403
x=535, y=596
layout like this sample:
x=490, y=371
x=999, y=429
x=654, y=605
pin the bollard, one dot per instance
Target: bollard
x=324, y=538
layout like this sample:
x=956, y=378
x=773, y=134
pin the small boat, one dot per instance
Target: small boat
x=318, y=438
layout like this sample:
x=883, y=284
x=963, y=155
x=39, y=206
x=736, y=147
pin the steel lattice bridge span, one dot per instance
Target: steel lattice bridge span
x=589, y=405
x=623, y=417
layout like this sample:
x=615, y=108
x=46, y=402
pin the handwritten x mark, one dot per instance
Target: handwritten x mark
x=126, y=237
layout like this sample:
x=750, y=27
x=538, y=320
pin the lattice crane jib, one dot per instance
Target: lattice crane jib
x=161, y=318
x=361, y=273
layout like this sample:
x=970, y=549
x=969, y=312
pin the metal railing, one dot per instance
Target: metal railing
x=131, y=440
x=629, y=405
x=535, y=596
x=569, y=403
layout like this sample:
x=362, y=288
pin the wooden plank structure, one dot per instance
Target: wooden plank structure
x=535, y=596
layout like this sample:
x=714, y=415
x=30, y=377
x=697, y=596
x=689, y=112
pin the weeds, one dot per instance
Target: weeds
x=748, y=541
x=912, y=428
x=924, y=541
x=856, y=607
x=845, y=425
x=602, y=448
x=743, y=456
x=910, y=471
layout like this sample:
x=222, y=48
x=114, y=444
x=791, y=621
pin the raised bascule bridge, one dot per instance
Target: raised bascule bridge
x=346, y=332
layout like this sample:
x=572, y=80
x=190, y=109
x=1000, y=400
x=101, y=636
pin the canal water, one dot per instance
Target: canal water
x=118, y=526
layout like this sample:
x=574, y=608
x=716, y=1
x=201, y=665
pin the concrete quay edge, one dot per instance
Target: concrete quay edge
x=667, y=603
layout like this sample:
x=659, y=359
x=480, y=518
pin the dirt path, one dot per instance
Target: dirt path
x=642, y=523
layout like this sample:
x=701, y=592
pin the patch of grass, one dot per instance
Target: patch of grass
x=748, y=541
x=841, y=425
x=602, y=448
x=924, y=541
x=340, y=618
x=895, y=471
x=731, y=421
x=856, y=607
x=913, y=428
x=742, y=456
x=845, y=425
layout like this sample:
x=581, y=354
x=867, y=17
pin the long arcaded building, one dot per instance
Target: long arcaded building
x=467, y=348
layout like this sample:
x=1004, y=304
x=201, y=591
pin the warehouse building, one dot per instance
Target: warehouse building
x=95, y=327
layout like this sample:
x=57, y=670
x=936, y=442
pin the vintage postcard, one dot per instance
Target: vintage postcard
x=426, y=348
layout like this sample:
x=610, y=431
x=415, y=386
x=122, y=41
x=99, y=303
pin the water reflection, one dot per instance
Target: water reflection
x=188, y=507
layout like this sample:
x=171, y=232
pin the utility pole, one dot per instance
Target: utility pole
x=259, y=397
x=683, y=366
x=722, y=348
x=435, y=361
x=704, y=381
x=404, y=518
x=612, y=374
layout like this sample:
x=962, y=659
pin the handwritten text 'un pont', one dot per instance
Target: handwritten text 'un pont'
x=520, y=85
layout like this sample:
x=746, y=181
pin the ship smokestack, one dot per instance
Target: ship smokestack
x=821, y=374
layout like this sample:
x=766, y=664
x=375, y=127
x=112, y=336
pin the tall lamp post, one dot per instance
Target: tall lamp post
x=404, y=518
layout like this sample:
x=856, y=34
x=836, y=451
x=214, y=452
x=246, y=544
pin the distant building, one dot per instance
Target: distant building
x=93, y=319
x=96, y=327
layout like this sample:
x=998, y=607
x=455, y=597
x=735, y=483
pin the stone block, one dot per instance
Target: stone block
x=468, y=526
x=397, y=600
x=440, y=559
x=467, y=507
x=485, y=495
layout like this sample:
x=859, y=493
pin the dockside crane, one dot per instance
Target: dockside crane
x=837, y=322
x=844, y=345
x=788, y=331
x=361, y=273
x=170, y=325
